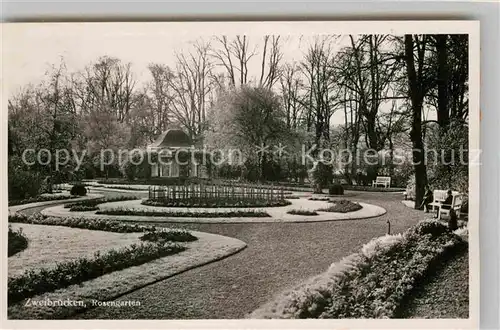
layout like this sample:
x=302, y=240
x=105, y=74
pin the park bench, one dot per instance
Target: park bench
x=439, y=196
x=382, y=181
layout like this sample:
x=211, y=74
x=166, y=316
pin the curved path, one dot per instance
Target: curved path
x=278, y=256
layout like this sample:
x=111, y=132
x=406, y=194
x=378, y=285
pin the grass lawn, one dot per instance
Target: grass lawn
x=49, y=245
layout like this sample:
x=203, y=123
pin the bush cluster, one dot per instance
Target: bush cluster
x=186, y=214
x=23, y=183
x=216, y=202
x=17, y=241
x=336, y=189
x=342, y=206
x=43, y=198
x=372, y=283
x=172, y=235
x=302, y=212
x=64, y=274
x=78, y=189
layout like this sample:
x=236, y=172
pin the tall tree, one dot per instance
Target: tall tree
x=415, y=50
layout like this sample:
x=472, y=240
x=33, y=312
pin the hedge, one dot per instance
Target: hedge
x=186, y=214
x=371, y=283
x=64, y=274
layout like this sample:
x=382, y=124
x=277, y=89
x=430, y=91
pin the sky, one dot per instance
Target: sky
x=30, y=51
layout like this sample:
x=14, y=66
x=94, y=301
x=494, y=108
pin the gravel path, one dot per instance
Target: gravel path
x=278, y=256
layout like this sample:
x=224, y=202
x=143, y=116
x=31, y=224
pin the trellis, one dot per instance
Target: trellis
x=203, y=192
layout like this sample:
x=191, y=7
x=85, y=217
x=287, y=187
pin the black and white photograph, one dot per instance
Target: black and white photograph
x=242, y=171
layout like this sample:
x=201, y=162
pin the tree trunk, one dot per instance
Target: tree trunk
x=443, y=113
x=416, y=97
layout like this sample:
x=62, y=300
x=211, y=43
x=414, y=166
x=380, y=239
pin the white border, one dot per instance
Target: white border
x=259, y=28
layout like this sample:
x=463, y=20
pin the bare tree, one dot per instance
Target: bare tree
x=290, y=84
x=272, y=57
x=107, y=84
x=319, y=85
x=234, y=56
x=191, y=87
x=161, y=95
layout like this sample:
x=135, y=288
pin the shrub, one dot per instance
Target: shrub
x=64, y=274
x=302, y=212
x=372, y=283
x=17, y=241
x=23, y=184
x=336, y=189
x=320, y=176
x=342, y=206
x=431, y=227
x=216, y=202
x=174, y=235
x=78, y=189
x=186, y=214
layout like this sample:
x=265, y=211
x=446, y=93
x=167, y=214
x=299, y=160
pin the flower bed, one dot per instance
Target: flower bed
x=216, y=202
x=64, y=274
x=302, y=212
x=42, y=198
x=342, y=206
x=92, y=205
x=168, y=235
x=17, y=241
x=186, y=214
x=371, y=283
x=319, y=199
